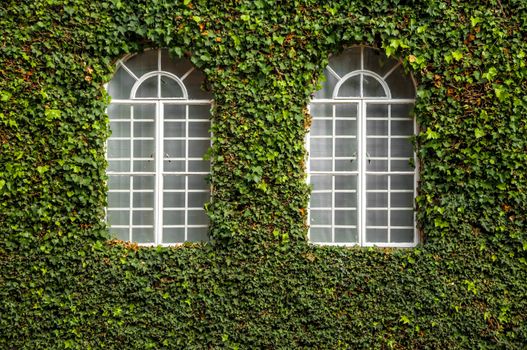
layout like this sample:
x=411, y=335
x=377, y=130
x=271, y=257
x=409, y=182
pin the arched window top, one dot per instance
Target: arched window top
x=365, y=73
x=153, y=74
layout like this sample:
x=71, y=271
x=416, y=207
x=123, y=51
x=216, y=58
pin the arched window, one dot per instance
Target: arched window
x=361, y=160
x=160, y=121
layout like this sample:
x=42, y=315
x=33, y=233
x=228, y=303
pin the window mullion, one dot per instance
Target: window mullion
x=158, y=205
x=361, y=125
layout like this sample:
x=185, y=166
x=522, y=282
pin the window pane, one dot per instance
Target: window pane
x=144, y=111
x=377, y=147
x=174, y=129
x=121, y=84
x=321, y=110
x=346, y=164
x=346, y=217
x=346, y=235
x=320, y=234
x=174, y=182
x=170, y=88
x=199, y=129
x=148, y=88
x=120, y=129
x=118, y=199
x=350, y=88
x=321, y=182
x=198, y=182
x=173, y=199
x=173, y=217
x=401, y=147
x=116, y=182
x=345, y=182
x=144, y=149
x=173, y=235
x=199, y=112
x=402, y=218
x=143, y=200
x=198, y=148
x=402, y=235
x=143, y=217
x=402, y=200
x=402, y=127
x=376, y=111
x=144, y=62
x=345, y=147
x=320, y=217
x=198, y=166
x=377, y=127
x=197, y=217
x=174, y=149
x=144, y=165
x=376, y=235
x=321, y=127
x=120, y=233
x=371, y=87
x=144, y=129
x=346, y=127
x=144, y=182
x=320, y=200
x=143, y=235
x=174, y=111
x=402, y=182
x=376, y=200
x=346, y=110
x=345, y=200
x=321, y=147
x=118, y=148
x=376, y=217
x=119, y=218
x=377, y=182
x=197, y=234
x=197, y=199
x=174, y=165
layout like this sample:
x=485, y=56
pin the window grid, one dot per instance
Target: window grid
x=146, y=224
x=392, y=217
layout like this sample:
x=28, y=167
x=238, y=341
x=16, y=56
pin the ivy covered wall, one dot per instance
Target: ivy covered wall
x=65, y=284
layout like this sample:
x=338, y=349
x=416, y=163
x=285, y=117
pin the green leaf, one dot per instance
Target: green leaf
x=479, y=133
x=42, y=169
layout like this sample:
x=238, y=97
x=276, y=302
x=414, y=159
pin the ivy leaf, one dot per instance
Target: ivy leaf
x=479, y=133
x=42, y=169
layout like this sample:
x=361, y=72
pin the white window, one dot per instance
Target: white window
x=160, y=121
x=361, y=159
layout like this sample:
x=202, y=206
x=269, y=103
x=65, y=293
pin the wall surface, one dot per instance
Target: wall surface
x=65, y=284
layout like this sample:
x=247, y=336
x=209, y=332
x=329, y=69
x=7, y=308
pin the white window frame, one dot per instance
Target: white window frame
x=361, y=172
x=159, y=138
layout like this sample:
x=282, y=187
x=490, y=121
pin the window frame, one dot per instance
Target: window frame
x=361, y=172
x=159, y=138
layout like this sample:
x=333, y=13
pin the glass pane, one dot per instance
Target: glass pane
x=376, y=217
x=346, y=164
x=346, y=127
x=346, y=235
x=374, y=235
x=118, y=111
x=144, y=182
x=198, y=148
x=345, y=182
x=194, y=83
x=198, y=166
x=401, y=84
x=402, y=127
x=376, y=182
x=345, y=200
x=118, y=199
x=198, y=182
x=372, y=87
x=345, y=147
x=346, y=217
x=402, y=218
x=401, y=200
x=199, y=129
x=401, y=147
x=121, y=84
x=321, y=165
x=346, y=110
x=116, y=182
x=320, y=182
x=377, y=127
x=143, y=149
x=376, y=200
x=143, y=217
x=119, y=165
x=144, y=129
x=377, y=147
x=120, y=233
x=170, y=88
x=173, y=64
x=144, y=165
x=120, y=129
x=174, y=129
x=348, y=61
x=402, y=111
x=320, y=200
x=350, y=87
x=119, y=218
x=321, y=110
x=320, y=234
x=377, y=61
x=199, y=112
x=320, y=217
x=148, y=88
x=118, y=148
x=376, y=111
x=174, y=182
x=197, y=234
x=144, y=111
x=197, y=199
x=321, y=147
x=174, y=165
x=327, y=85
x=143, y=200
x=174, y=111
x=197, y=217
x=321, y=127
x=173, y=217
x=402, y=235
x=173, y=234
x=173, y=199
x=402, y=165
x=144, y=62
x=174, y=149
x=402, y=182
x=376, y=165
x=143, y=235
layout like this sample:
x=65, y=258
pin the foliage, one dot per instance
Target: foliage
x=259, y=284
